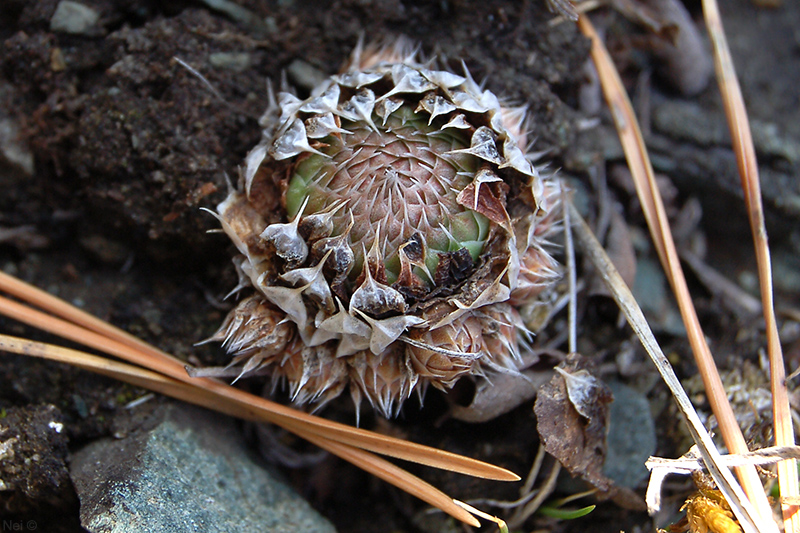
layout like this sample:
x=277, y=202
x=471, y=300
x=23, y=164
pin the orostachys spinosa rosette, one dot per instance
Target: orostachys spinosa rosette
x=388, y=227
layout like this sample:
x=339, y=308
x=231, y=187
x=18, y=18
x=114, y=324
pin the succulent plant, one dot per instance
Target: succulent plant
x=390, y=226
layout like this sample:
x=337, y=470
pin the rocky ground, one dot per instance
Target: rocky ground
x=109, y=147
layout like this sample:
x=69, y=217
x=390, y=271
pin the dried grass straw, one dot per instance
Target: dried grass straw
x=652, y=205
x=748, y=172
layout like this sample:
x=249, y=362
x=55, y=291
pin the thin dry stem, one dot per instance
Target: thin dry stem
x=748, y=171
x=741, y=506
x=486, y=516
x=536, y=467
x=543, y=492
x=572, y=306
x=652, y=205
x=764, y=456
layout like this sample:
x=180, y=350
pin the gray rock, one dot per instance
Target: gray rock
x=74, y=18
x=631, y=437
x=15, y=150
x=651, y=291
x=689, y=121
x=235, y=61
x=185, y=469
x=239, y=14
x=304, y=74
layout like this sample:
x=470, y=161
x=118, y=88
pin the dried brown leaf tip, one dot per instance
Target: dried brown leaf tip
x=388, y=225
x=572, y=411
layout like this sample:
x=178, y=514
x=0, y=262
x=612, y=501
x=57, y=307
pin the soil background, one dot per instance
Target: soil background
x=110, y=148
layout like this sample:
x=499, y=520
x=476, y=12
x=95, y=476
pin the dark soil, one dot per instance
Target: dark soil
x=127, y=146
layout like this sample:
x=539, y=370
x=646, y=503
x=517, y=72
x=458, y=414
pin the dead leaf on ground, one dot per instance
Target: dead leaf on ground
x=577, y=440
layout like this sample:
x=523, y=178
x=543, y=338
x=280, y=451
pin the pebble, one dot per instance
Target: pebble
x=305, y=75
x=239, y=14
x=104, y=249
x=75, y=18
x=235, y=61
x=631, y=437
x=13, y=148
x=651, y=291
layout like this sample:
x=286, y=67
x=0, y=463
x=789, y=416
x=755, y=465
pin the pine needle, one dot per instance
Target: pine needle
x=165, y=374
x=197, y=396
x=653, y=208
x=58, y=307
x=748, y=171
x=284, y=416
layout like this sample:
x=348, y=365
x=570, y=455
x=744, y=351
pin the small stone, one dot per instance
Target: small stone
x=104, y=249
x=184, y=469
x=235, y=61
x=650, y=289
x=687, y=121
x=14, y=148
x=239, y=14
x=75, y=18
x=57, y=63
x=631, y=437
x=305, y=75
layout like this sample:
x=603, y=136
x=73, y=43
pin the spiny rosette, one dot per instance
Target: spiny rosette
x=390, y=226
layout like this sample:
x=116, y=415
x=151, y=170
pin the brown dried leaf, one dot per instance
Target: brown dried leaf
x=577, y=441
x=490, y=204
